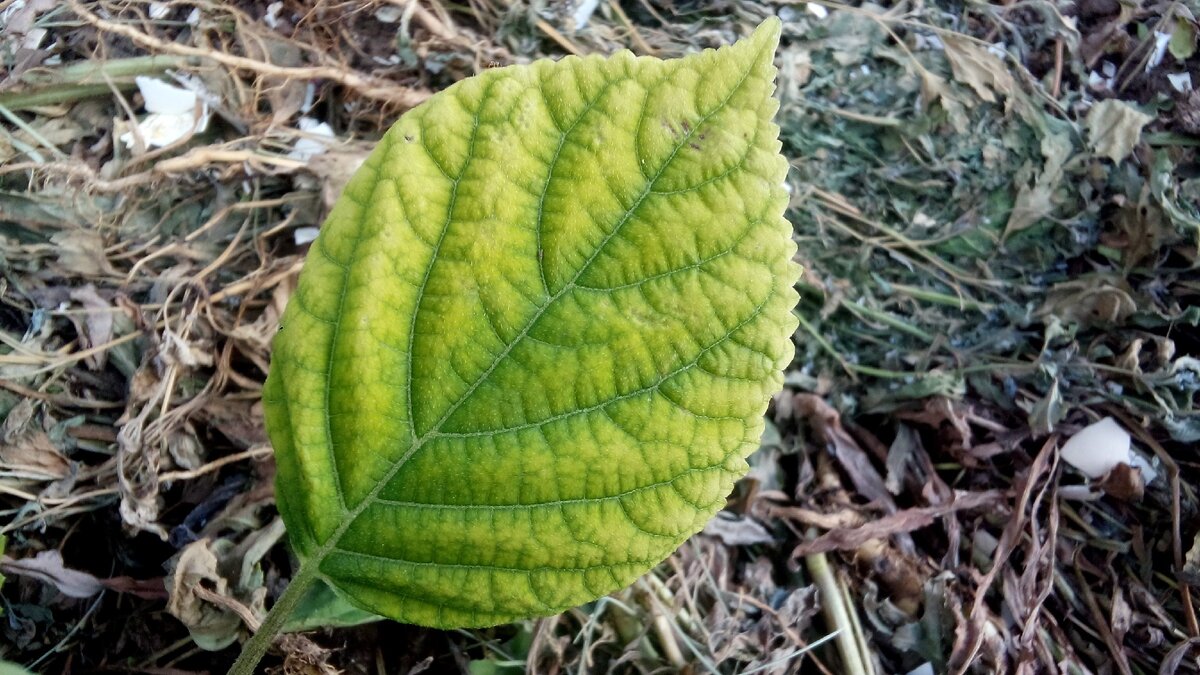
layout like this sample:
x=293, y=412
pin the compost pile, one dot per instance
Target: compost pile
x=984, y=457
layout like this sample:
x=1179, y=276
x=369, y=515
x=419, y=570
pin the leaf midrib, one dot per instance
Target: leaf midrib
x=330, y=544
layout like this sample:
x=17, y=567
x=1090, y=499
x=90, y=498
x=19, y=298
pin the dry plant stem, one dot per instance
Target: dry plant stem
x=367, y=86
x=1176, y=516
x=860, y=638
x=836, y=613
x=661, y=623
x=49, y=86
x=1043, y=465
x=258, y=644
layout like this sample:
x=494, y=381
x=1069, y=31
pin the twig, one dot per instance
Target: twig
x=371, y=87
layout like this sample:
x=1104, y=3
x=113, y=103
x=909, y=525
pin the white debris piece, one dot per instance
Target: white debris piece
x=819, y=11
x=33, y=39
x=1099, y=447
x=271, y=18
x=312, y=143
x=1181, y=82
x=929, y=42
x=583, y=13
x=159, y=10
x=1105, y=78
x=923, y=221
x=174, y=111
x=1161, y=40
x=388, y=14
x=305, y=235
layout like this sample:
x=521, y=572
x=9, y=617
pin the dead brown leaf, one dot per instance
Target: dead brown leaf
x=743, y=531
x=81, y=254
x=978, y=68
x=903, y=521
x=197, y=566
x=1124, y=482
x=25, y=446
x=97, y=326
x=827, y=425
x=1095, y=300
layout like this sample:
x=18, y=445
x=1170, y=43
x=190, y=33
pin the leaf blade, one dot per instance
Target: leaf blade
x=556, y=293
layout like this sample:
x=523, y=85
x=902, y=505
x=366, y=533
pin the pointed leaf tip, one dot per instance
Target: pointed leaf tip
x=767, y=33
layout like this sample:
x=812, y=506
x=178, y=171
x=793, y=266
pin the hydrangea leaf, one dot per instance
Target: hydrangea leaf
x=534, y=341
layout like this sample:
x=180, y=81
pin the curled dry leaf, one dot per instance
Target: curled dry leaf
x=1090, y=301
x=735, y=531
x=1124, y=482
x=48, y=566
x=1191, y=564
x=1114, y=127
x=210, y=626
x=978, y=68
x=827, y=425
x=81, y=254
x=26, y=448
x=216, y=586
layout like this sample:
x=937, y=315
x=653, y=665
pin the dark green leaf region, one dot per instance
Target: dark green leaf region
x=533, y=344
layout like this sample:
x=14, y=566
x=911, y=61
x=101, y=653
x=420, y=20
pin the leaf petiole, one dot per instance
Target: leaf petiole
x=260, y=642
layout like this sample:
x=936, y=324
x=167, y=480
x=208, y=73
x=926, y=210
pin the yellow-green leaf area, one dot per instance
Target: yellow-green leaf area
x=532, y=346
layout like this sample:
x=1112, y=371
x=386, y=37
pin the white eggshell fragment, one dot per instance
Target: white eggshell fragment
x=1097, y=448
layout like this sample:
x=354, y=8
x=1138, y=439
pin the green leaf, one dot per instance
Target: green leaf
x=322, y=608
x=1183, y=40
x=9, y=668
x=533, y=344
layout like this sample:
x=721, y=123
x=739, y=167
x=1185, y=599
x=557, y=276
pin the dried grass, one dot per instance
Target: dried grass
x=908, y=506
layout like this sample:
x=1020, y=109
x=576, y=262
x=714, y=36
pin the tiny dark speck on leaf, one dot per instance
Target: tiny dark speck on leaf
x=687, y=128
x=408, y=139
x=695, y=146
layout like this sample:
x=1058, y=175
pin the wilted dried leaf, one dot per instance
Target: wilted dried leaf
x=1094, y=300
x=48, y=566
x=1114, y=127
x=81, y=254
x=736, y=531
x=197, y=566
x=827, y=424
x=896, y=523
x=978, y=68
x=334, y=168
x=206, y=597
x=302, y=656
x=97, y=327
x=1191, y=564
x=26, y=447
x=1036, y=201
